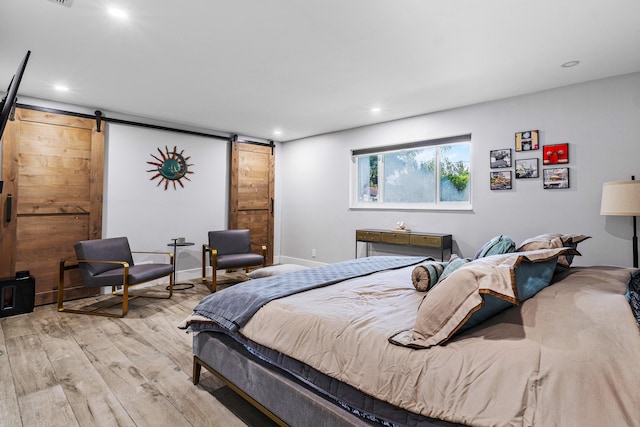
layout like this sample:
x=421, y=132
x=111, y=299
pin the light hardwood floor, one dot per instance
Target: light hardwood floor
x=63, y=369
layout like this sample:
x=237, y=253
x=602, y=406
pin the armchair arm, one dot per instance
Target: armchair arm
x=123, y=263
x=169, y=254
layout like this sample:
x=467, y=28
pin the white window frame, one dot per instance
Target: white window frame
x=380, y=151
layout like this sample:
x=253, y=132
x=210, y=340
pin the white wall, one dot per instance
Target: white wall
x=600, y=120
x=151, y=216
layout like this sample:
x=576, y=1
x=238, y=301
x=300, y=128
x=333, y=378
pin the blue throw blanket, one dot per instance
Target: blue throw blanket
x=233, y=307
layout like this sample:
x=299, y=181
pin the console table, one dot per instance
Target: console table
x=405, y=238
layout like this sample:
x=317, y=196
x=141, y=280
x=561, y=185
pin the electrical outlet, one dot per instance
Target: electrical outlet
x=313, y=253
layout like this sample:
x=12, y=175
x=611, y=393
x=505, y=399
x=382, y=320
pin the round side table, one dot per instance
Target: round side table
x=176, y=245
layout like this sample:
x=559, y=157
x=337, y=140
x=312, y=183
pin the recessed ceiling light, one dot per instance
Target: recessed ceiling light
x=277, y=132
x=570, y=64
x=376, y=109
x=61, y=88
x=118, y=13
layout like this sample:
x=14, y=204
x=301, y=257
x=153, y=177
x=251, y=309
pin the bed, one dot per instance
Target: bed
x=517, y=337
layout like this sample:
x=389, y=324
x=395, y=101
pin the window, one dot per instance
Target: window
x=434, y=174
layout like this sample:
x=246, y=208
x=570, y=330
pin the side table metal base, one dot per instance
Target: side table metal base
x=182, y=286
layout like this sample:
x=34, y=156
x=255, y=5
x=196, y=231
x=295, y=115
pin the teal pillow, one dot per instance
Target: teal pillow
x=455, y=262
x=530, y=278
x=490, y=307
x=496, y=246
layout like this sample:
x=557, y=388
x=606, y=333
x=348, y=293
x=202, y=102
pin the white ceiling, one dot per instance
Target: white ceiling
x=309, y=66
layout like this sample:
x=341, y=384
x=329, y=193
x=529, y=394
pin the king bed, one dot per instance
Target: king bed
x=512, y=337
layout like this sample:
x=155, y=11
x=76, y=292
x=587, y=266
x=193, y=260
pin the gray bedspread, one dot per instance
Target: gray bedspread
x=233, y=307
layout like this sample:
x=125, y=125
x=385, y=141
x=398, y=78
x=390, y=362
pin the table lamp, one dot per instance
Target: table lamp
x=622, y=198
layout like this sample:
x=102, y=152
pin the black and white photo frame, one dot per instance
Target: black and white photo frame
x=500, y=158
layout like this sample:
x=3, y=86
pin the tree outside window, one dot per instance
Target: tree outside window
x=432, y=176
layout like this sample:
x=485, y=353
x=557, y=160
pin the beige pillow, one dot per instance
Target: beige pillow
x=448, y=306
x=553, y=240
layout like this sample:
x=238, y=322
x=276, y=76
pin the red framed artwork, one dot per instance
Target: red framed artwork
x=555, y=154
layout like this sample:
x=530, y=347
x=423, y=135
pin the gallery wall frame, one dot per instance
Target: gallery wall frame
x=527, y=168
x=527, y=140
x=500, y=158
x=500, y=180
x=555, y=154
x=555, y=178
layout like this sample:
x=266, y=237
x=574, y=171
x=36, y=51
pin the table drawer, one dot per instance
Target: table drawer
x=368, y=236
x=430, y=241
x=396, y=238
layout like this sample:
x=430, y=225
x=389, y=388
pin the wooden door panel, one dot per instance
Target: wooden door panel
x=253, y=183
x=55, y=169
x=251, y=193
x=255, y=221
x=44, y=241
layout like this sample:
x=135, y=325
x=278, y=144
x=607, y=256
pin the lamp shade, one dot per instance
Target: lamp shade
x=620, y=198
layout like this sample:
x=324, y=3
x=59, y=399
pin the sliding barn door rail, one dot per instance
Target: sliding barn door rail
x=100, y=117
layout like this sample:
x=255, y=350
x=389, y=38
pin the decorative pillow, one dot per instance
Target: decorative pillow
x=455, y=262
x=496, y=246
x=479, y=290
x=554, y=240
x=427, y=274
x=273, y=270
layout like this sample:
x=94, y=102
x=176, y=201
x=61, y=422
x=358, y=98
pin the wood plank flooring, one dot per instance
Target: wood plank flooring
x=64, y=369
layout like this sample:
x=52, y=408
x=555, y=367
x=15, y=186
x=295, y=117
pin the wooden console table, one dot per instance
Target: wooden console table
x=405, y=238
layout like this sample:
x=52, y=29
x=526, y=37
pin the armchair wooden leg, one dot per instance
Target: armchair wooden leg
x=204, y=263
x=214, y=270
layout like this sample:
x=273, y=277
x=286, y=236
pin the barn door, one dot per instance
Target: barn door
x=52, y=165
x=251, y=193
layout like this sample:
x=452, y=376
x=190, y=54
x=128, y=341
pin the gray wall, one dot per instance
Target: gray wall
x=600, y=120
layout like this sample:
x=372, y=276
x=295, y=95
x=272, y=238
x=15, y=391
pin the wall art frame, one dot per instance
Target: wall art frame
x=527, y=168
x=527, y=140
x=500, y=158
x=555, y=178
x=500, y=180
x=555, y=154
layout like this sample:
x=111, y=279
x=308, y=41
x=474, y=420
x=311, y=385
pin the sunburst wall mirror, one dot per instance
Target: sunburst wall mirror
x=171, y=167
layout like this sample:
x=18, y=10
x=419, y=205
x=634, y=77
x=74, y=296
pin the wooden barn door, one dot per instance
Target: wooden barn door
x=251, y=193
x=52, y=165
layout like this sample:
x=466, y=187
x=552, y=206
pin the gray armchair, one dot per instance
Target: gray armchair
x=230, y=249
x=109, y=262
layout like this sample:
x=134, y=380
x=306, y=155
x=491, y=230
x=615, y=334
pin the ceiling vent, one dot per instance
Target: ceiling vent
x=67, y=3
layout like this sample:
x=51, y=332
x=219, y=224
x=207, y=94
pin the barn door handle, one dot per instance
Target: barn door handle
x=7, y=208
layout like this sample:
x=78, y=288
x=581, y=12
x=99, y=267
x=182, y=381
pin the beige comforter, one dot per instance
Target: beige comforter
x=570, y=356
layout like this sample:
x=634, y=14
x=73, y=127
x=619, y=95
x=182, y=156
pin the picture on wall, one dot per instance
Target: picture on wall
x=527, y=140
x=500, y=180
x=555, y=178
x=526, y=168
x=555, y=154
x=500, y=158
